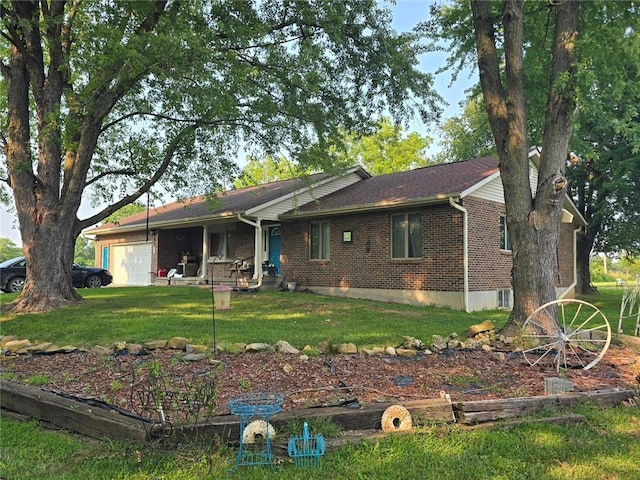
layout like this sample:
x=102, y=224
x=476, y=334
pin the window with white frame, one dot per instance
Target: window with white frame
x=504, y=298
x=406, y=235
x=320, y=236
x=505, y=241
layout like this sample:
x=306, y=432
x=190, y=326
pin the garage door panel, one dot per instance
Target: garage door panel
x=131, y=264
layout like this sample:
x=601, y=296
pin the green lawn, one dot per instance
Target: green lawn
x=141, y=314
x=607, y=446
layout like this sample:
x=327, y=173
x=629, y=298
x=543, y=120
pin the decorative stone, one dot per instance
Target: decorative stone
x=39, y=348
x=499, y=356
x=438, y=343
x=97, y=349
x=8, y=338
x=258, y=347
x=324, y=347
x=178, y=343
x=304, y=358
x=487, y=348
x=347, y=349
x=15, y=345
x=53, y=348
x=553, y=385
x=134, y=348
x=287, y=368
x=120, y=346
x=155, y=344
x=406, y=352
x=194, y=357
x=285, y=347
x=69, y=349
x=480, y=328
x=390, y=351
x=412, y=342
x=197, y=349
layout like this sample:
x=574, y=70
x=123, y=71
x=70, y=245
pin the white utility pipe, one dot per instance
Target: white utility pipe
x=465, y=254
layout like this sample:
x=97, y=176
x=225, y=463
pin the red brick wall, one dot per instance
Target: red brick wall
x=489, y=267
x=565, y=255
x=367, y=262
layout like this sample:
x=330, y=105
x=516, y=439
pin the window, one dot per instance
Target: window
x=406, y=235
x=505, y=241
x=504, y=298
x=221, y=245
x=320, y=235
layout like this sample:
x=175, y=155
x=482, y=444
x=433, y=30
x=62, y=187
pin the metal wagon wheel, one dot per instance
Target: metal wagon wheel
x=568, y=333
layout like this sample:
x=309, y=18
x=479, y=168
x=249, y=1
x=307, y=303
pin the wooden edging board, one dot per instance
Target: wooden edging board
x=69, y=414
x=473, y=412
x=97, y=422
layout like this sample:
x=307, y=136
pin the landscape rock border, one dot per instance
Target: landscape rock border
x=483, y=336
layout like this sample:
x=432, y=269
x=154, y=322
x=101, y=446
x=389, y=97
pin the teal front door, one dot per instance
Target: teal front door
x=274, y=247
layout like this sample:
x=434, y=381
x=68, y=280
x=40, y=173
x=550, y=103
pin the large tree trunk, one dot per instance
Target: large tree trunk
x=533, y=221
x=48, y=227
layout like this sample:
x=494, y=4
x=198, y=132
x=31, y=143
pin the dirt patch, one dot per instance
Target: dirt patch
x=317, y=381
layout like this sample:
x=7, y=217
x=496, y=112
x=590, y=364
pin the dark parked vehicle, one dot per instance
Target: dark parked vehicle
x=14, y=271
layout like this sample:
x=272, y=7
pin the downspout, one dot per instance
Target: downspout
x=256, y=254
x=465, y=254
x=575, y=265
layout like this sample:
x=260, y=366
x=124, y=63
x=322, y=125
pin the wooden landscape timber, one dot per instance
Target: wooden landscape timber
x=98, y=422
x=61, y=412
x=473, y=412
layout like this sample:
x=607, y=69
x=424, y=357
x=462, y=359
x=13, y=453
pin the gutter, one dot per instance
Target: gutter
x=257, y=241
x=465, y=255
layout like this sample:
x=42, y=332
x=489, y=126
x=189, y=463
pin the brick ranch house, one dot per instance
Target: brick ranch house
x=431, y=236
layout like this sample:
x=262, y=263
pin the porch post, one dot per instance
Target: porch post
x=257, y=242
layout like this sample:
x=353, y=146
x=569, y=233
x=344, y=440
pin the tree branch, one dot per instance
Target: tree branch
x=166, y=161
x=122, y=171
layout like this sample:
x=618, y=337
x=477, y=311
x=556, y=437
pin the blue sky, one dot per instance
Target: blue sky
x=406, y=14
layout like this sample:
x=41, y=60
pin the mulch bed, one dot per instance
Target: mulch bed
x=318, y=381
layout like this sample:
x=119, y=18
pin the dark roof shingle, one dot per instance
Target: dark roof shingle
x=437, y=181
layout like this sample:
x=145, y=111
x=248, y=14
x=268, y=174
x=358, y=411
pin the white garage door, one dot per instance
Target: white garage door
x=131, y=264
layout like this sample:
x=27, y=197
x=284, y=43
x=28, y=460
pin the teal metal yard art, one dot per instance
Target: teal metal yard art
x=256, y=433
x=306, y=450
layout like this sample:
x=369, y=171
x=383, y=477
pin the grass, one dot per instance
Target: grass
x=151, y=313
x=606, y=446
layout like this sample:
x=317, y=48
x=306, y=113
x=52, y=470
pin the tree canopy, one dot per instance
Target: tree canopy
x=384, y=149
x=109, y=99
x=8, y=249
x=603, y=170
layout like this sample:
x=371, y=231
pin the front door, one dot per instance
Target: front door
x=274, y=247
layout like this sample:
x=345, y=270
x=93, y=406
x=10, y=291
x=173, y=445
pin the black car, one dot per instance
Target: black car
x=14, y=271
